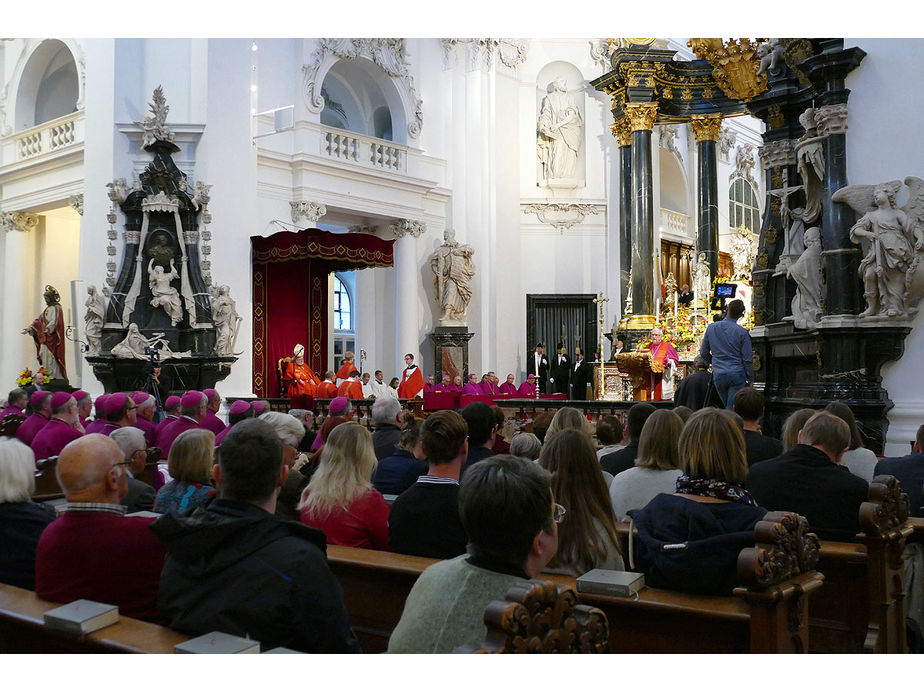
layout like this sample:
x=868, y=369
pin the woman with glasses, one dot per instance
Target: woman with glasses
x=340, y=499
x=690, y=540
x=189, y=463
x=587, y=530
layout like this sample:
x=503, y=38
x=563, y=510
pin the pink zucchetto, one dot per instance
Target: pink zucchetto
x=210, y=393
x=80, y=394
x=115, y=402
x=139, y=397
x=37, y=397
x=59, y=399
x=100, y=405
x=338, y=405
x=239, y=406
x=259, y=406
x=172, y=401
x=191, y=399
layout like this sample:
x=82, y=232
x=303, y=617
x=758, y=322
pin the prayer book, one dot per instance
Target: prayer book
x=217, y=642
x=82, y=616
x=613, y=583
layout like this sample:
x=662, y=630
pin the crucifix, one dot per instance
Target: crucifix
x=599, y=300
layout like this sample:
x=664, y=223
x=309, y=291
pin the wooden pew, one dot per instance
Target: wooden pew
x=768, y=615
x=10, y=424
x=46, y=480
x=23, y=631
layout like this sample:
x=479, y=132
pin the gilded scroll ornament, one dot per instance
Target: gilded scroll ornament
x=622, y=132
x=642, y=115
x=734, y=65
x=706, y=127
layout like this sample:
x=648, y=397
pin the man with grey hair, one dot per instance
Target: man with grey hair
x=307, y=419
x=21, y=521
x=193, y=408
x=525, y=445
x=808, y=480
x=290, y=432
x=511, y=520
x=386, y=417
x=132, y=443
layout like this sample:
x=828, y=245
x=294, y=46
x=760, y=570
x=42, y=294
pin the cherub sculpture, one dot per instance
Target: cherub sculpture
x=894, y=239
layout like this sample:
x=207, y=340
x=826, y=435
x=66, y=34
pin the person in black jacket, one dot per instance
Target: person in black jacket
x=749, y=405
x=808, y=480
x=624, y=459
x=909, y=471
x=694, y=389
x=560, y=371
x=234, y=567
x=581, y=374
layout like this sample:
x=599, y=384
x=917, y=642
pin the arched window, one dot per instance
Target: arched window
x=743, y=209
x=343, y=313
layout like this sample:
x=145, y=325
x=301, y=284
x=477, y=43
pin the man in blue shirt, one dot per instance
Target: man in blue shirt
x=727, y=346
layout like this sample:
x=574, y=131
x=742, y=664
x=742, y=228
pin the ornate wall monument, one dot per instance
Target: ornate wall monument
x=160, y=304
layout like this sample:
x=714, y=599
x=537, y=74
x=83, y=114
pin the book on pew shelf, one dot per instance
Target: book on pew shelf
x=82, y=616
x=282, y=650
x=217, y=642
x=143, y=513
x=614, y=583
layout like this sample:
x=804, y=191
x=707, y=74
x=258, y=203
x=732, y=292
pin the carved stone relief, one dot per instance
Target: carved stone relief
x=562, y=215
x=304, y=209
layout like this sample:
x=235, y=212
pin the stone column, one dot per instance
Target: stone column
x=407, y=290
x=18, y=351
x=706, y=131
x=641, y=117
x=623, y=134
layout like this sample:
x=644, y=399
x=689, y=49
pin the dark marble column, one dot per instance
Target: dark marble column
x=641, y=119
x=840, y=257
x=706, y=130
x=625, y=211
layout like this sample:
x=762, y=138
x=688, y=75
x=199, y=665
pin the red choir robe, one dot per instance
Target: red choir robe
x=212, y=423
x=166, y=437
x=508, y=389
x=327, y=390
x=412, y=383
x=149, y=428
x=351, y=389
x=663, y=353
x=527, y=390
x=50, y=441
x=344, y=372
x=29, y=428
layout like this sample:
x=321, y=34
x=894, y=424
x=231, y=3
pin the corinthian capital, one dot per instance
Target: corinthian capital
x=24, y=221
x=404, y=227
x=622, y=132
x=641, y=116
x=831, y=120
x=303, y=209
x=777, y=153
x=706, y=127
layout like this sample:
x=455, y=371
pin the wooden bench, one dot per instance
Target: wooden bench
x=768, y=615
x=10, y=424
x=46, y=480
x=23, y=631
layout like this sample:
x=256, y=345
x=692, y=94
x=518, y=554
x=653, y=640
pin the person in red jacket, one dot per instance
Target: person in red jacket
x=327, y=389
x=351, y=388
x=412, y=382
x=346, y=368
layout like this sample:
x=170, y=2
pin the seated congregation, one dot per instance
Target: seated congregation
x=248, y=530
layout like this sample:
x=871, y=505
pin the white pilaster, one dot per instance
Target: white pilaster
x=407, y=291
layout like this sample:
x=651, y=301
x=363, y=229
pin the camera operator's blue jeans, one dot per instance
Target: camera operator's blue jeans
x=727, y=384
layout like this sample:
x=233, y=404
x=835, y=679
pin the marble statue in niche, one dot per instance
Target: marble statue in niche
x=226, y=320
x=136, y=346
x=453, y=271
x=806, y=271
x=162, y=294
x=93, y=320
x=560, y=133
x=702, y=281
x=811, y=163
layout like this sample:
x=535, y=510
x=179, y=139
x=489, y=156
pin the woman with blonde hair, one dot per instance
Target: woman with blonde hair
x=690, y=540
x=587, y=534
x=340, y=499
x=656, y=467
x=568, y=419
x=190, y=462
x=793, y=424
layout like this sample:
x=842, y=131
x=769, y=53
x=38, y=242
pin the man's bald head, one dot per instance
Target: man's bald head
x=89, y=470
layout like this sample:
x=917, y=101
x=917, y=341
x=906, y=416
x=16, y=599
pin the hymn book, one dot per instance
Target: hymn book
x=82, y=616
x=613, y=583
x=217, y=642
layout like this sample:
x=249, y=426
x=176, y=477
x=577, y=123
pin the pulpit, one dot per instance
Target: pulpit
x=637, y=365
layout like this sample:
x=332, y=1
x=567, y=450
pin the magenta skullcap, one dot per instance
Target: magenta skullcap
x=100, y=404
x=338, y=405
x=192, y=398
x=531, y=375
x=240, y=406
x=37, y=397
x=59, y=399
x=80, y=394
x=139, y=397
x=258, y=406
x=172, y=401
x=115, y=402
x=210, y=393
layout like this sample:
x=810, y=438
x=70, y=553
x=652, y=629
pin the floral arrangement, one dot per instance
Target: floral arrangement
x=24, y=378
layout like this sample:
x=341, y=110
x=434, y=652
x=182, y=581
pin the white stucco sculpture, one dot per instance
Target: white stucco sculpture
x=162, y=294
x=893, y=239
x=93, y=320
x=560, y=133
x=453, y=271
x=226, y=320
x=702, y=281
x=135, y=346
x=811, y=162
x=806, y=271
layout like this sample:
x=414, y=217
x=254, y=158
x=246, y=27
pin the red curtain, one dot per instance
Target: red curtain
x=290, y=294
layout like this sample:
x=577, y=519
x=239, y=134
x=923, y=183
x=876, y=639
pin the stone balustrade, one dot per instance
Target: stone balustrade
x=363, y=150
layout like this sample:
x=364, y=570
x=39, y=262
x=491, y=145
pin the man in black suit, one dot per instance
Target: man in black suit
x=749, y=405
x=686, y=296
x=539, y=365
x=560, y=371
x=808, y=480
x=909, y=471
x=624, y=459
x=694, y=389
x=580, y=376
x=38, y=383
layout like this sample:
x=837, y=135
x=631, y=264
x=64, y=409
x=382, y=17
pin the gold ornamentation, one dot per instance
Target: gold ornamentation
x=641, y=115
x=706, y=127
x=775, y=206
x=762, y=261
x=775, y=117
x=734, y=66
x=622, y=132
x=756, y=357
x=686, y=94
x=707, y=92
x=770, y=235
x=666, y=93
x=641, y=322
x=777, y=180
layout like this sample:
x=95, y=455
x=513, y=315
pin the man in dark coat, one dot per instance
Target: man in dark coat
x=581, y=374
x=749, y=405
x=624, y=459
x=909, y=471
x=694, y=389
x=560, y=371
x=233, y=566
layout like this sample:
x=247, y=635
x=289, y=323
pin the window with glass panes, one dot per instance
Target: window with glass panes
x=343, y=315
x=742, y=206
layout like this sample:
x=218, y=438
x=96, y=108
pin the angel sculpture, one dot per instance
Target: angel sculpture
x=895, y=237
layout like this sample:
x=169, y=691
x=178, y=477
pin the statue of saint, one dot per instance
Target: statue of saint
x=453, y=269
x=811, y=162
x=806, y=271
x=162, y=294
x=135, y=346
x=47, y=331
x=560, y=129
x=226, y=321
x=94, y=318
x=702, y=282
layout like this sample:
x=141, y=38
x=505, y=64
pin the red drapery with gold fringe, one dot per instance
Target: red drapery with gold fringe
x=290, y=298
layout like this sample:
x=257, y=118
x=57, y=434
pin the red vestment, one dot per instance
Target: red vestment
x=327, y=390
x=301, y=380
x=54, y=340
x=345, y=370
x=412, y=383
x=663, y=353
x=351, y=389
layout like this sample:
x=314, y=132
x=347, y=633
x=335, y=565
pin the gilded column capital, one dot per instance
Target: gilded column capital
x=831, y=120
x=706, y=127
x=641, y=115
x=622, y=132
x=25, y=221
